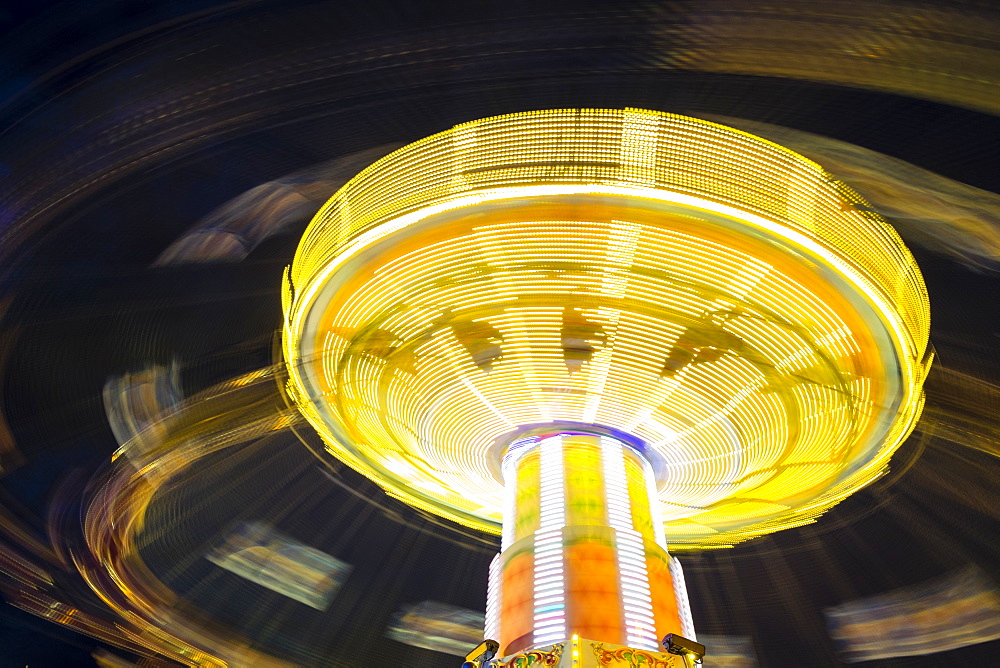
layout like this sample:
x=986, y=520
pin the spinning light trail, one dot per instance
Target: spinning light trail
x=596, y=330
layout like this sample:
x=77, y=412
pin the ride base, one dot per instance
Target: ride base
x=583, y=653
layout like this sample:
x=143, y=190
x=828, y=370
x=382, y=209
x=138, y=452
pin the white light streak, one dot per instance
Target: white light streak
x=550, y=583
x=637, y=608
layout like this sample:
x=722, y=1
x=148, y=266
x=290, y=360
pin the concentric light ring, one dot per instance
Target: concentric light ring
x=459, y=273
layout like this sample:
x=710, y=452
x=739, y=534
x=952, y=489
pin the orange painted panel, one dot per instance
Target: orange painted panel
x=518, y=614
x=661, y=589
x=593, y=599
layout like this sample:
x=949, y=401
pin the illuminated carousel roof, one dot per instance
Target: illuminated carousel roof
x=708, y=296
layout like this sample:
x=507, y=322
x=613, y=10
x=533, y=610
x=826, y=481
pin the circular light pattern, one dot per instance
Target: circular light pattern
x=713, y=296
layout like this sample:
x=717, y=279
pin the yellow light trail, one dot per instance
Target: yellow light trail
x=708, y=292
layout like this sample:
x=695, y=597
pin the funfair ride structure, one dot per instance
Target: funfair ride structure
x=590, y=331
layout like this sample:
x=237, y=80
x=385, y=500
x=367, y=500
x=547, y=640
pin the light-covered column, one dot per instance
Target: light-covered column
x=583, y=551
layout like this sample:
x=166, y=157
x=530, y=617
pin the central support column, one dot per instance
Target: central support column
x=583, y=551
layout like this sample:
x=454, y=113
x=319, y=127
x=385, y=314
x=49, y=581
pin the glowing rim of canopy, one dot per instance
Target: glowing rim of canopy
x=909, y=346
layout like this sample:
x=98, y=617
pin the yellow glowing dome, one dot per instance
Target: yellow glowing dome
x=703, y=294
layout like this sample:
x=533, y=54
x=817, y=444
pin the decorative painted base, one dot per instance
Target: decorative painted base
x=583, y=653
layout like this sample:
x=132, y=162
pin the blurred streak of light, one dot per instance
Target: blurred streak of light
x=447, y=249
x=330, y=470
x=31, y=588
x=47, y=607
x=241, y=410
x=14, y=528
x=954, y=611
x=936, y=212
x=135, y=401
x=945, y=54
x=21, y=570
x=438, y=626
x=238, y=412
x=233, y=230
x=468, y=540
x=106, y=659
x=728, y=651
x=257, y=552
x=960, y=86
x=964, y=410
